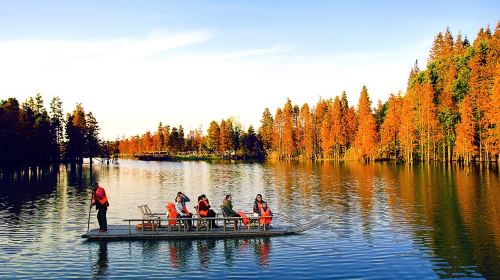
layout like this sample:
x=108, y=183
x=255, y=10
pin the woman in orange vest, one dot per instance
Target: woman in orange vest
x=266, y=215
x=257, y=204
x=100, y=200
x=204, y=209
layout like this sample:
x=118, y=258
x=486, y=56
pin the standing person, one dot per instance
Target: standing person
x=257, y=204
x=179, y=208
x=227, y=206
x=204, y=209
x=100, y=200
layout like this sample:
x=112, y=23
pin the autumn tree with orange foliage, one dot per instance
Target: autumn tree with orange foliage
x=481, y=82
x=465, y=147
x=306, y=125
x=278, y=125
x=338, y=139
x=213, y=137
x=494, y=116
x=326, y=131
x=450, y=111
x=428, y=130
x=224, y=136
x=494, y=113
x=318, y=113
x=391, y=126
x=288, y=129
x=407, y=133
x=351, y=127
x=366, y=136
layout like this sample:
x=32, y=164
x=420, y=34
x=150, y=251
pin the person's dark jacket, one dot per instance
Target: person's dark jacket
x=256, y=206
x=228, y=208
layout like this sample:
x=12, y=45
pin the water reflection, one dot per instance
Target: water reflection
x=100, y=265
x=180, y=254
x=455, y=215
x=205, y=250
x=456, y=212
x=262, y=250
x=20, y=186
x=184, y=255
x=445, y=221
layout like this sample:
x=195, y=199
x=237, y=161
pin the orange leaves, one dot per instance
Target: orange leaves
x=213, y=137
x=421, y=124
x=407, y=134
x=288, y=130
x=391, y=125
x=465, y=131
x=306, y=128
x=366, y=137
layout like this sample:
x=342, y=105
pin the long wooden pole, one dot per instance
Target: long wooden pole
x=90, y=208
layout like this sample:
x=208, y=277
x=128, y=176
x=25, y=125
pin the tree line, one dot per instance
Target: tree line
x=29, y=134
x=450, y=111
x=225, y=139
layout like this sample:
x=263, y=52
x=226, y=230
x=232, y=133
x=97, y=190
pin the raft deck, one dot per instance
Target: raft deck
x=126, y=232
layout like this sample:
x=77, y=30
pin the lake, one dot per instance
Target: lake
x=388, y=221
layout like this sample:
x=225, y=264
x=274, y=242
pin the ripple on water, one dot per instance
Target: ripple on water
x=381, y=227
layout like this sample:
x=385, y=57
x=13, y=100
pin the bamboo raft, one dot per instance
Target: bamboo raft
x=152, y=229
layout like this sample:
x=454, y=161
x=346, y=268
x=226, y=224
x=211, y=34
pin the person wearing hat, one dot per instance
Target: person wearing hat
x=100, y=200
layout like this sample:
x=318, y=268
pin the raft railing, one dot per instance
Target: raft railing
x=181, y=223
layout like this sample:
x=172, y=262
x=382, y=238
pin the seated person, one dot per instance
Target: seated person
x=257, y=205
x=184, y=199
x=227, y=206
x=266, y=215
x=204, y=209
x=182, y=211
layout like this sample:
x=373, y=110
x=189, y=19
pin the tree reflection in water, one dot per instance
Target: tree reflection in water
x=445, y=221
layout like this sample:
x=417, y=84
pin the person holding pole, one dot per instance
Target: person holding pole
x=100, y=200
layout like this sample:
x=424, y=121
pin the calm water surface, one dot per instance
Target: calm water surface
x=387, y=221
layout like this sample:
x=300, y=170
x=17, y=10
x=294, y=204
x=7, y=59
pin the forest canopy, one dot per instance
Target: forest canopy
x=450, y=111
x=31, y=134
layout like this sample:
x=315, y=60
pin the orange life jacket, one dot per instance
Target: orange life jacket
x=203, y=213
x=244, y=217
x=259, y=205
x=172, y=214
x=100, y=196
x=266, y=216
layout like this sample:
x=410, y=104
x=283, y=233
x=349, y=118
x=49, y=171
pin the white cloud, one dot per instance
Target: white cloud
x=22, y=55
x=131, y=84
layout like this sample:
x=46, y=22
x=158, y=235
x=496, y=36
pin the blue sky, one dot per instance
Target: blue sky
x=200, y=60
